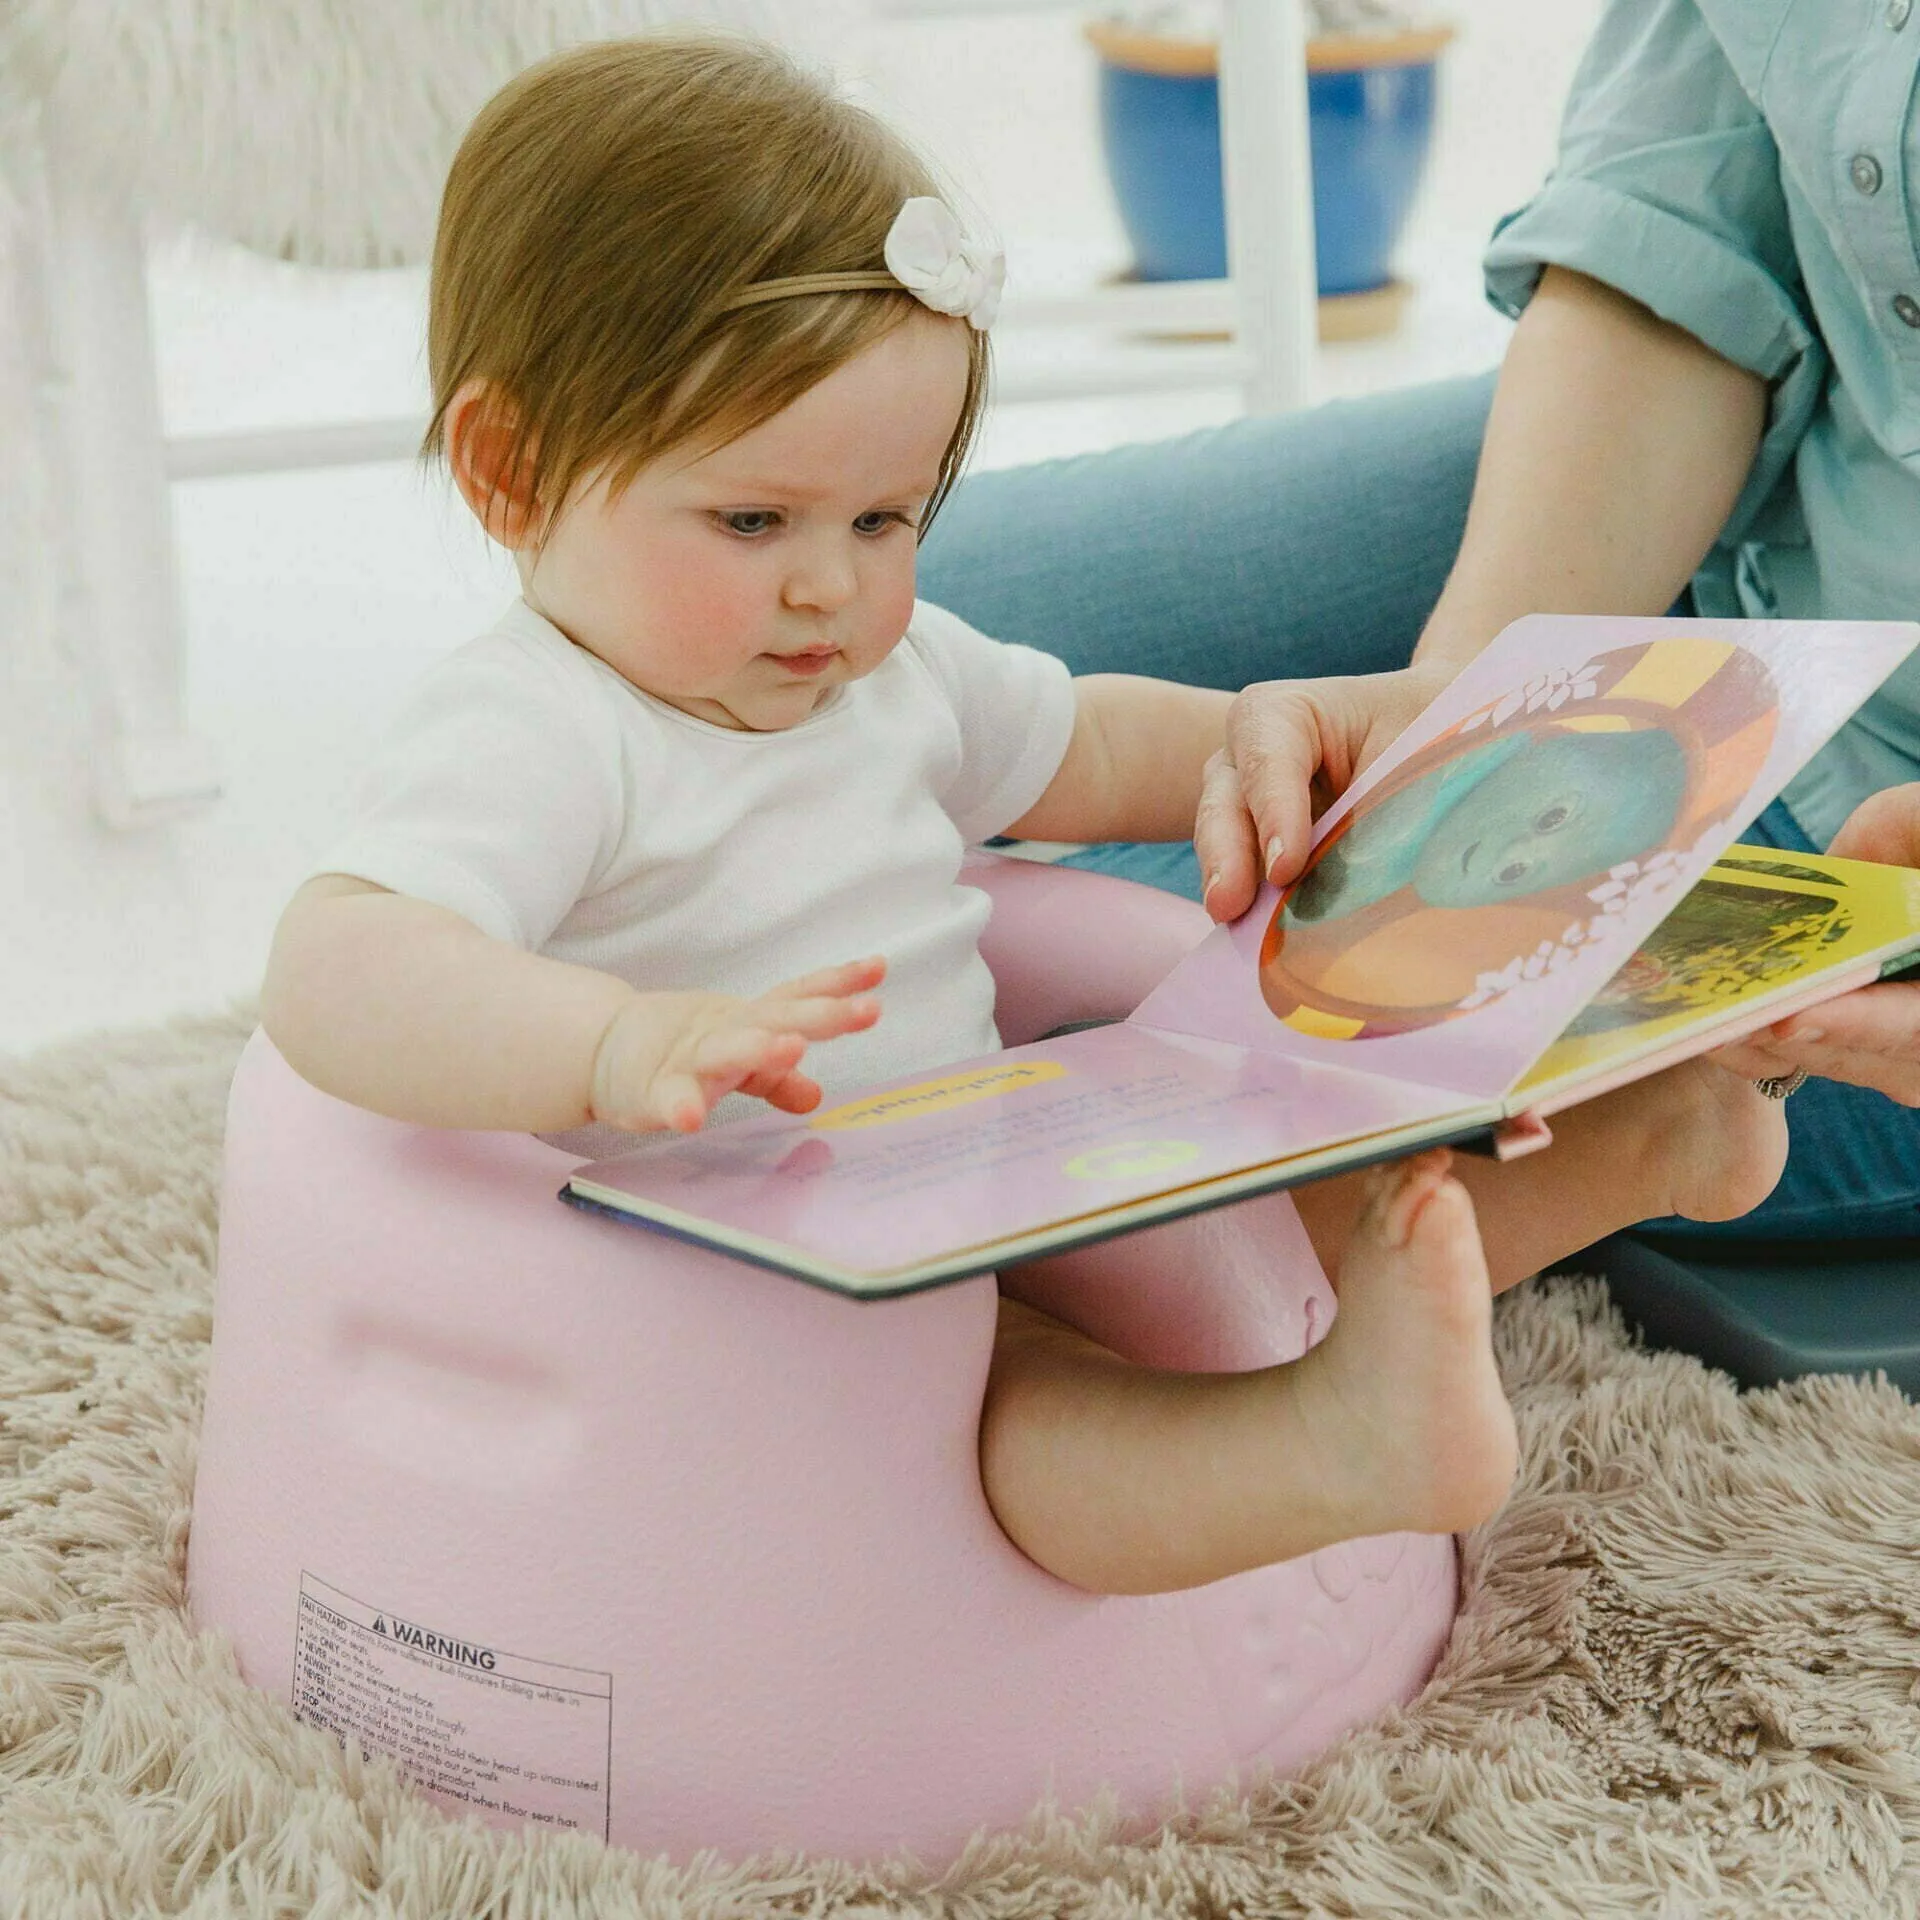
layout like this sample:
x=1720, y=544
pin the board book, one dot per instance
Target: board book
x=1532, y=896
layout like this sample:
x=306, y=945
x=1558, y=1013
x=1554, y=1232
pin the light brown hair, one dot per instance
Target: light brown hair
x=603, y=209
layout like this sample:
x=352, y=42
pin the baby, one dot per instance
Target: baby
x=707, y=352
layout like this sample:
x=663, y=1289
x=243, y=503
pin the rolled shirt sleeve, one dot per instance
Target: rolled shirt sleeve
x=1668, y=188
x=1750, y=170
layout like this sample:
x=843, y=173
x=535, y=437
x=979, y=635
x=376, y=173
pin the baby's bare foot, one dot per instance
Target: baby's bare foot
x=1407, y=1401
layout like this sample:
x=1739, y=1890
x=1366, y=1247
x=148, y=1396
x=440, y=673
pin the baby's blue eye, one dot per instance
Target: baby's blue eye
x=878, y=521
x=750, y=521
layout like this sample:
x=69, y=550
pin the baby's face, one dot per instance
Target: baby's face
x=743, y=585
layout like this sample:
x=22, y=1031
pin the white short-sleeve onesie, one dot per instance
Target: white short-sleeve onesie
x=531, y=789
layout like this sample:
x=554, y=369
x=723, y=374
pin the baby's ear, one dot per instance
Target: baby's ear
x=492, y=463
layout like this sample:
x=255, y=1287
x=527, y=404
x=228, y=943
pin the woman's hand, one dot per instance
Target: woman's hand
x=1617, y=447
x=1870, y=1037
x=1293, y=747
x=665, y=1058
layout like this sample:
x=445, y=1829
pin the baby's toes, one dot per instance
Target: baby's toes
x=1399, y=1195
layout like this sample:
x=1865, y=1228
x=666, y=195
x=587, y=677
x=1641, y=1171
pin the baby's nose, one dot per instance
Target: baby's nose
x=824, y=579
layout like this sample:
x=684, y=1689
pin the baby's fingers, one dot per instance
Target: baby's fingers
x=730, y=1057
x=675, y=1100
x=819, y=1016
x=761, y=1064
x=791, y=1092
x=682, y=1097
x=850, y=976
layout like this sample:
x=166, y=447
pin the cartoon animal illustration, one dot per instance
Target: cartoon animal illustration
x=1483, y=849
x=1510, y=817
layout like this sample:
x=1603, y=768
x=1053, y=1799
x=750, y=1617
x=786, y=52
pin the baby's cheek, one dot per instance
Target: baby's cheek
x=891, y=600
x=710, y=616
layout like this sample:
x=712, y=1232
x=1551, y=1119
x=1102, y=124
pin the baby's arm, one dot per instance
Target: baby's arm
x=1134, y=767
x=412, y=1011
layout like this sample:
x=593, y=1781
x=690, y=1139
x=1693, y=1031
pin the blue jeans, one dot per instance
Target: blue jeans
x=1853, y=1155
x=1311, y=544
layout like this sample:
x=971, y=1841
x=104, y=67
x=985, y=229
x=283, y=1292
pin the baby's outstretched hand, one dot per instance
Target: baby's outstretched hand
x=667, y=1057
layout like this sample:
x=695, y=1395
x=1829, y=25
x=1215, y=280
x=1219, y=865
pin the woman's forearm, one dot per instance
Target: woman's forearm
x=1616, y=449
x=409, y=1010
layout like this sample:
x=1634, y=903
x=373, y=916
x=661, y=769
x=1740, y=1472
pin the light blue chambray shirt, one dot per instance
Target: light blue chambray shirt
x=1750, y=170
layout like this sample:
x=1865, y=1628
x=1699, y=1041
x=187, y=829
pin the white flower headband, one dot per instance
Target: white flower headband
x=926, y=253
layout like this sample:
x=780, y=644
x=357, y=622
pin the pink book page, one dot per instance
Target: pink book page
x=984, y=1151
x=1489, y=873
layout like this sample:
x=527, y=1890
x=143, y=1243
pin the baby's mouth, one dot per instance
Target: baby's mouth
x=809, y=660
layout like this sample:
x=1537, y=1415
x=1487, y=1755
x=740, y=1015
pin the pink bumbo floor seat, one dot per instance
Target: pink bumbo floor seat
x=590, y=1528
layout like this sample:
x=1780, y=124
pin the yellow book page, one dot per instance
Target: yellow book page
x=1759, y=925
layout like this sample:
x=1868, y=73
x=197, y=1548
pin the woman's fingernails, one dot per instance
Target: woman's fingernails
x=1808, y=1036
x=1271, y=853
x=1211, y=881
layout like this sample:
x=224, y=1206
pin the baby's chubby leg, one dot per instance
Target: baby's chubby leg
x=1696, y=1140
x=1128, y=1479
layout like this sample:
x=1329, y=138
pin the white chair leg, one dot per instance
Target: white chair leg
x=1268, y=171
x=119, y=601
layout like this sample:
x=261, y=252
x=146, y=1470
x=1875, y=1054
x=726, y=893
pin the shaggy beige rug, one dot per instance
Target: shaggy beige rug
x=1684, y=1681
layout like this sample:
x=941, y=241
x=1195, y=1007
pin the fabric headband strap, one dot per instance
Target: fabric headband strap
x=797, y=284
x=927, y=256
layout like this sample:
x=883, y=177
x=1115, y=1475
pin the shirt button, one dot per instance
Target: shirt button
x=1864, y=172
x=1907, y=308
x=1899, y=12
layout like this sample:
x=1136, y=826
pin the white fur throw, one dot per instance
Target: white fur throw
x=319, y=130
x=1681, y=1686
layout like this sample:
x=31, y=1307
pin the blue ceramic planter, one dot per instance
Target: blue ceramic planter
x=1370, y=126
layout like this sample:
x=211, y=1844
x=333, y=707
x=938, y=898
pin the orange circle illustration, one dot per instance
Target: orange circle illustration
x=1483, y=850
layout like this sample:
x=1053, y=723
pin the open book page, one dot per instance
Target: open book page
x=1487, y=875
x=1763, y=933
x=1052, y=1144
x=1480, y=885
x=1044, y=1145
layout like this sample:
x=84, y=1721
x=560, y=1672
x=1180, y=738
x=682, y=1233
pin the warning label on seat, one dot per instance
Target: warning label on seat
x=468, y=1721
